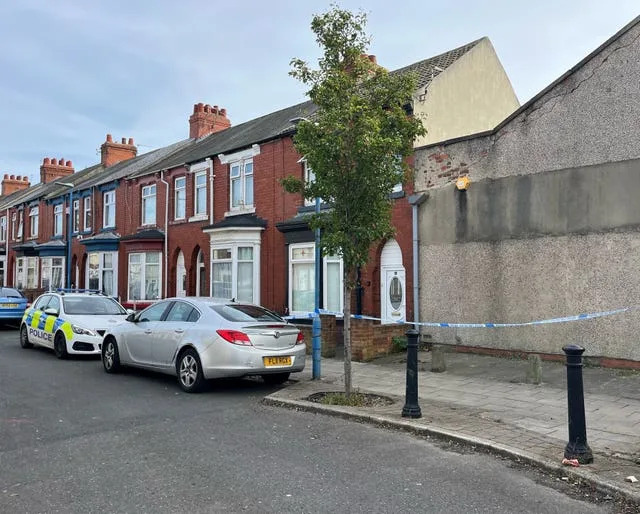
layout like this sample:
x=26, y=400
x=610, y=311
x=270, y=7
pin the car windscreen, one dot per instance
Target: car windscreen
x=9, y=292
x=91, y=305
x=240, y=313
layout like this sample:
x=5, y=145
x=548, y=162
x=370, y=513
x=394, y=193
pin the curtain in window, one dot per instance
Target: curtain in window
x=333, y=287
x=303, y=287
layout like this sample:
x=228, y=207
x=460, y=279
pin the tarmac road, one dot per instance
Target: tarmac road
x=74, y=439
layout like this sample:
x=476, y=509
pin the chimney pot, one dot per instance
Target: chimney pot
x=124, y=140
x=6, y=176
x=207, y=108
x=18, y=177
x=109, y=138
x=131, y=141
x=25, y=178
x=223, y=112
x=69, y=164
x=12, y=177
x=46, y=161
x=200, y=107
x=54, y=161
x=195, y=108
x=372, y=58
x=61, y=161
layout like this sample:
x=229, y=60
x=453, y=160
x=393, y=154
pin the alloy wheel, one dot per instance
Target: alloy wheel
x=188, y=370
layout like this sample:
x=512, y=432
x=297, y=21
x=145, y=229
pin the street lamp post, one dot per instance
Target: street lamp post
x=316, y=342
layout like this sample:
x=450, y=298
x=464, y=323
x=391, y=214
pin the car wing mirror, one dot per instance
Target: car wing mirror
x=131, y=317
x=51, y=312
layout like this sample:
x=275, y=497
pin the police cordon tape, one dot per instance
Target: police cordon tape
x=564, y=319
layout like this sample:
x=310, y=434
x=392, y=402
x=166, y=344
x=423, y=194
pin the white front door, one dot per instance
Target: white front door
x=181, y=276
x=394, y=297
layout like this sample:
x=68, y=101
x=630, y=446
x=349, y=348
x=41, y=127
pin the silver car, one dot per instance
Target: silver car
x=197, y=339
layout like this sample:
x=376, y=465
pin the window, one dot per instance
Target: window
x=241, y=184
x=76, y=216
x=149, y=205
x=309, y=178
x=200, y=194
x=27, y=272
x=93, y=305
x=102, y=272
x=41, y=302
x=54, y=303
x=180, y=205
x=14, y=225
x=34, y=215
x=398, y=187
x=233, y=273
x=57, y=220
x=302, y=280
x=144, y=276
x=182, y=312
x=52, y=273
x=109, y=210
x=153, y=313
x=87, y=213
x=3, y=228
x=20, y=223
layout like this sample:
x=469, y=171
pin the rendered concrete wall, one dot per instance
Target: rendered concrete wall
x=471, y=95
x=550, y=225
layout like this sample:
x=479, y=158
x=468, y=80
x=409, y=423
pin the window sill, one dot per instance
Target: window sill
x=239, y=212
x=396, y=194
x=198, y=217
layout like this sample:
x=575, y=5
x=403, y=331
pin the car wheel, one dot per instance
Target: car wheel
x=24, y=337
x=276, y=378
x=110, y=356
x=190, y=375
x=60, y=346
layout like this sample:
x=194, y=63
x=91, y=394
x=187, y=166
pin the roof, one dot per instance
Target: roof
x=242, y=220
x=152, y=233
x=428, y=69
x=524, y=107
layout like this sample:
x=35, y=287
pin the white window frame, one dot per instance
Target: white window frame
x=309, y=178
x=109, y=209
x=34, y=221
x=102, y=268
x=47, y=268
x=325, y=289
x=232, y=240
x=58, y=220
x=3, y=228
x=86, y=216
x=241, y=178
x=292, y=262
x=199, y=211
x=14, y=225
x=177, y=192
x=20, y=223
x=143, y=275
x=148, y=195
x=23, y=265
x=76, y=216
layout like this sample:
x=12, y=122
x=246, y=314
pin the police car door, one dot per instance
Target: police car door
x=37, y=319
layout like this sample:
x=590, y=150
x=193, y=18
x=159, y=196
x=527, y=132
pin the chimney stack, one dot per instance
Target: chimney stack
x=11, y=184
x=113, y=153
x=206, y=120
x=52, y=169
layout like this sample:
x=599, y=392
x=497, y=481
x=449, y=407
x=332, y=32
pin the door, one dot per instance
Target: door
x=139, y=336
x=169, y=333
x=181, y=276
x=394, y=305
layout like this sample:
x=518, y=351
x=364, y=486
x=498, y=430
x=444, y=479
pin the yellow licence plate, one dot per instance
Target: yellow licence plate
x=10, y=305
x=277, y=361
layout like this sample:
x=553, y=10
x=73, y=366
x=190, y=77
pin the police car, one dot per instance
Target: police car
x=70, y=322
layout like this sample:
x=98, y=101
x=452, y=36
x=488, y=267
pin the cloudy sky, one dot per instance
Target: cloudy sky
x=75, y=70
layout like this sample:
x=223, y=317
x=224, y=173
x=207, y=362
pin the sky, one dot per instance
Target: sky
x=75, y=70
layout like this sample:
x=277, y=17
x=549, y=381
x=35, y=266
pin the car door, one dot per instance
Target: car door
x=139, y=335
x=33, y=321
x=169, y=333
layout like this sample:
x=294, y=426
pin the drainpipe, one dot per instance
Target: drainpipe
x=6, y=250
x=415, y=200
x=166, y=231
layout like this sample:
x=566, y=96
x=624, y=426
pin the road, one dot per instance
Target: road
x=74, y=439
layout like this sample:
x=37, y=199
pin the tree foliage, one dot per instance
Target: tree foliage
x=356, y=142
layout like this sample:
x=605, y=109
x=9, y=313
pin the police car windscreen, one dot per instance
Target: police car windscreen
x=91, y=305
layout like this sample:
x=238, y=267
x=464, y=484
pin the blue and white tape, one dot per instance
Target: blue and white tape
x=564, y=319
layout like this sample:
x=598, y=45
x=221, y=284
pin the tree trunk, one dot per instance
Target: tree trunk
x=347, y=333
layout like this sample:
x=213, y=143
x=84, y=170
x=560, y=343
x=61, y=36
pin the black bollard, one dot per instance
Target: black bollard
x=411, y=408
x=577, y=447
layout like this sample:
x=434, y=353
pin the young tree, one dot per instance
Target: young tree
x=356, y=144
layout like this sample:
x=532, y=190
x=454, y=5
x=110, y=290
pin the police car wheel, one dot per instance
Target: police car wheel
x=110, y=356
x=24, y=337
x=60, y=346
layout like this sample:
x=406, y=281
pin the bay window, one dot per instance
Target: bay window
x=149, y=205
x=180, y=203
x=52, y=273
x=26, y=272
x=102, y=272
x=234, y=272
x=109, y=210
x=144, y=276
x=57, y=220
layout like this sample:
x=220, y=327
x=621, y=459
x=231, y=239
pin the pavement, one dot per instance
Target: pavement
x=485, y=403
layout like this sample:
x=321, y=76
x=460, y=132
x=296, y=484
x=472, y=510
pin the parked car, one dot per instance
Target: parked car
x=12, y=304
x=70, y=323
x=196, y=339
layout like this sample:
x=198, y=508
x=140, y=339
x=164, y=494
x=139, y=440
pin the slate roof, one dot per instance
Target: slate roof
x=151, y=233
x=242, y=220
x=430, y=68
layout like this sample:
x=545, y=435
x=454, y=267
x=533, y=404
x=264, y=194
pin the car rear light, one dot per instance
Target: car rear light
x=234, y=337
x=300, y=338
